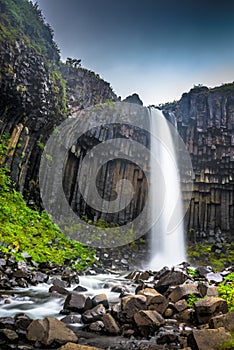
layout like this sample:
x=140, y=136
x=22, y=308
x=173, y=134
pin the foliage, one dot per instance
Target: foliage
x=193, y=272
x=25, y=230
x=202, y=254
x=21, y=19
x=228, y=345
x=191, y=299
x=226, y=290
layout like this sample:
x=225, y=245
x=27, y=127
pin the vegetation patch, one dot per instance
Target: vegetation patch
x=226, y=290
x=23, y=229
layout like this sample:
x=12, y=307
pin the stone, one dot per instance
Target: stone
x=97, y=326
x=207, y=290
x=71, y=319
x=101, y=299
x=93, y=314
x=171, y=278
x=181, y=305
x=49, y=331
x=110, y=324
x=138, y=275
x=209, y=307
x=77, y=302
x=149, y=293
x=131, y=304
x=39, y=277
x=59, y=289
x=72, y=346
x=226, y=321
x=148, y=321
x=119, y=289
x=9, y=335
x=183, y=291
x=158, y=303
x=207, y=339
x=80, y=289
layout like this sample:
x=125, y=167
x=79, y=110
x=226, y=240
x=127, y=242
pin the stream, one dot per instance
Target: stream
x=37, y=302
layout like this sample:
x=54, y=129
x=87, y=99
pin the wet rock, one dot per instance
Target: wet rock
x=101, y=299
x=148, y=321
x=71, y=319
x=204, y=270
x=207, y=339
x=149, y=293
x=59, y=289
x=72, y=346
x=80, y=289
x=226, y=321
x=119, y=289
x=93, y=314
x=158, y=303
x=77, y=302
x=171, y=278
x=60, y=283
x=110, y=324
x=208, y=307
x=186, y=316
x=183, y=291
x=49, y=331
x=39, y=277
x=206, y=290
x=138, y=275
x=97, y=326
x=8, y=335
x=70, y=276
x=22, y=322
x=132, y=304
x=181, y=305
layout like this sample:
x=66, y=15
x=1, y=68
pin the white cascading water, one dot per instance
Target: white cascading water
x=167, y=246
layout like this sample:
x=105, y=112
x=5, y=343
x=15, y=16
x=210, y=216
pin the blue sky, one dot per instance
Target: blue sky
x=156, y=48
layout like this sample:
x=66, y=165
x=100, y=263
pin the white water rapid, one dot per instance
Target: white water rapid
x=167, y=246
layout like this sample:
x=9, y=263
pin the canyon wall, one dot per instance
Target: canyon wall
x=205, y=119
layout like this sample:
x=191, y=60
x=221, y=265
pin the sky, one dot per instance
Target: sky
x=156, y=48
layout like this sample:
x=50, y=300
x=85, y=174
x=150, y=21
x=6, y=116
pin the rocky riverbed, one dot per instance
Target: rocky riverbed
x=55, y=308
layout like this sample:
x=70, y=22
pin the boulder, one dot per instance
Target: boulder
x=226, y=321
x=181, y=305
x=158, y=303
x=149, y=293
x=207, y=290
x=110, y=324
x=72, y=346
x=101, y=299
x=8, y=335
x=170, y=278
x=207, y=339
x=138, y=275
x=97, y=326
x=148, y=321
x=182, y=291
x=93, y=314
x=132, y=304
x=49, y=331
x=209, y=307
x=77, y=302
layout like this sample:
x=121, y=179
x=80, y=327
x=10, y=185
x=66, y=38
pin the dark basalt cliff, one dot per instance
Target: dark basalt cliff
x=205, y=119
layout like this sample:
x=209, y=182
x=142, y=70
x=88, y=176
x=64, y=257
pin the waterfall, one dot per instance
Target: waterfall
x=167, y=233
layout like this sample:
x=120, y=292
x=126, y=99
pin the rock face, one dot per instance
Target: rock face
x=205, y=119
x=34, y=101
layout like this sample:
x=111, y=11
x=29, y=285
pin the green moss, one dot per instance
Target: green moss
x=25, y=230
x=202, y=254
x=228, y=345
x=226, y=290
